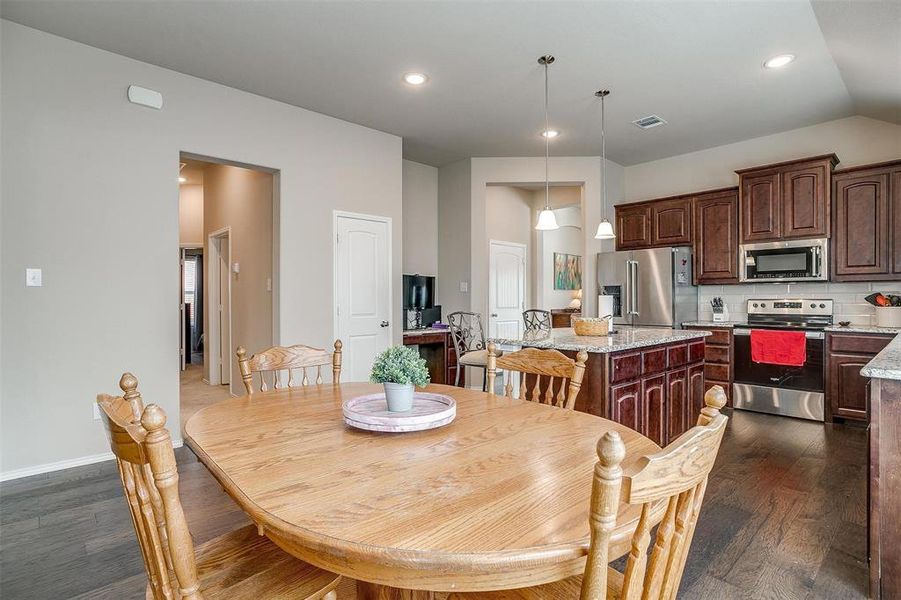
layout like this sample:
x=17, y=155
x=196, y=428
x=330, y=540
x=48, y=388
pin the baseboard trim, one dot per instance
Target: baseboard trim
x=64, y=464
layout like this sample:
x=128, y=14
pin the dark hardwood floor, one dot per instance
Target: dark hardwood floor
x=784, y=517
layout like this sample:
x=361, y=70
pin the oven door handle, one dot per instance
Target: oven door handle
x=811, y=335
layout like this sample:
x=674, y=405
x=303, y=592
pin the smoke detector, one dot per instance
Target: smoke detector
x=648, y=122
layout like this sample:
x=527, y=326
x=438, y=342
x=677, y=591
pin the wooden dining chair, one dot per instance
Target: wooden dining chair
x=677, y=477
x=240, y=564
x=288, y=358
x=563, y=374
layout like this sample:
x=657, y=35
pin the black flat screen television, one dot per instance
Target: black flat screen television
x=419, y=291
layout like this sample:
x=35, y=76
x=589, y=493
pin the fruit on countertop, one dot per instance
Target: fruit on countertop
x=879, y=299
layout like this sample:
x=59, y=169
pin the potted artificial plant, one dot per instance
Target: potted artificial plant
x=399, y=368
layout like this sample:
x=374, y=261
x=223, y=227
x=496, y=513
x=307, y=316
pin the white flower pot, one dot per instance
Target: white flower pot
x=399, y=396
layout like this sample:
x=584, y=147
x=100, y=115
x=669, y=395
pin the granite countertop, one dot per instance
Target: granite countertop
x=865, y=329
x=721, y=324
x=426, y=330
x=886, y=364
x=624, y=338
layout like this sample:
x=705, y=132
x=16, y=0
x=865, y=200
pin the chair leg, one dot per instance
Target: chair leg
x=457, y=380
x=485, y=379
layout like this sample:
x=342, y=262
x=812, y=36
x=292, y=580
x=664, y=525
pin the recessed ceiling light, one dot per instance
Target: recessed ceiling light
x=777, y=62
x=415, y=78
x=182, y=179
x=550, y=133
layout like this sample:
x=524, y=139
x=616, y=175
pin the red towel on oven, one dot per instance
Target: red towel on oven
x=771, y=347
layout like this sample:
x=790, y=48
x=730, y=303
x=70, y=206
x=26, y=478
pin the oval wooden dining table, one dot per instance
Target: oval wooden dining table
x=497, y=499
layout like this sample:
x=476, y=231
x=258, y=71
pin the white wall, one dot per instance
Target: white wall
x=582, y=170
x=508, y=218
x=190, y=215
x=420, y=212
x=568, y=240
x=856, y=141
x=454, y=236
x=90, y=194
x=240, y=199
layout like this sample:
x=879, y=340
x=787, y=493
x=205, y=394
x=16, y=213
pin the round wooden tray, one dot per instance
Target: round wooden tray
x=370, y=412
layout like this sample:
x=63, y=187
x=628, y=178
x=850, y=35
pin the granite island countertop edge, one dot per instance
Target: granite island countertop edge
x=622, y=339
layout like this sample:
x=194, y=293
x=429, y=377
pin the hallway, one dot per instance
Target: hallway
x=195, y=394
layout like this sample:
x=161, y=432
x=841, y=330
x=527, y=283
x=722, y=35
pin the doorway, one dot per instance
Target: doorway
x=506, y=288
x=220, y=372
x=228, y=238
x=363, y=298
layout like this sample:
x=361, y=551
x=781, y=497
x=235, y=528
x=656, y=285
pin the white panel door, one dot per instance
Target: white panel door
x=506, y=289
x=363, y=287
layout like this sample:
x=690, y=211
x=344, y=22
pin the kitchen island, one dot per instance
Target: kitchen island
x=649, y=379
x=884, y=514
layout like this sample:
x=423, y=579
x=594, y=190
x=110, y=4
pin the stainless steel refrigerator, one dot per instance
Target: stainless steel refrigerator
x=651, y=288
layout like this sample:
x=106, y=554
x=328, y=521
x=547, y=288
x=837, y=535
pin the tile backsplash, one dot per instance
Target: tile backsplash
x=848, y=297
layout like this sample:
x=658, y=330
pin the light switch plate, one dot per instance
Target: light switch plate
x=33, y=278
x=464, y=286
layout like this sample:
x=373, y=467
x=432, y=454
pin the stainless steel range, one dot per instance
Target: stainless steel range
x=794, y=391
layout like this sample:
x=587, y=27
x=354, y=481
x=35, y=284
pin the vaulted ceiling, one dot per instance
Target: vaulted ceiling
x=698, y=65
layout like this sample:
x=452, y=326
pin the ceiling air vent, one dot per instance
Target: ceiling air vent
x=649, y=121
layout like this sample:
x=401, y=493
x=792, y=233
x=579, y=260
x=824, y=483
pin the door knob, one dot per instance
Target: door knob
x=385, y=323
x=493, y=314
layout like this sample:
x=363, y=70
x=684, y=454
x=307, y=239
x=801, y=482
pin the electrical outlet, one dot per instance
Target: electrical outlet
x=96, y=411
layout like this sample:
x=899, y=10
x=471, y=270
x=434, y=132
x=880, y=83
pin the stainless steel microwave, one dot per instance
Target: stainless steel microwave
x=796, y=260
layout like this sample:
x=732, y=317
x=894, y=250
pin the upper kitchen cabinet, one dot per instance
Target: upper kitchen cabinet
x=671, y=222
x=866, y=237
x=654, y=223
x=715, y=245
x=633, y=226
x=786, y=200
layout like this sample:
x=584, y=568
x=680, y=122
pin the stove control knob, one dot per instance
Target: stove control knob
x=814, y=305
x=755, y=305
x=822, y=306
x=763, y=305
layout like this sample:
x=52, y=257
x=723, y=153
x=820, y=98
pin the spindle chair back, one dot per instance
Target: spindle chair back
x=563, y=375
x=280, y=363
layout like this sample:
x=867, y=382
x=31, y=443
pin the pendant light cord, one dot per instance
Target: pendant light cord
x=547, y=146
x=604, y=157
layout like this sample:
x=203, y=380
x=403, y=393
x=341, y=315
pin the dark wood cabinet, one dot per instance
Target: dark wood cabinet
x=562, y=317
x=671, y=222
x=625, y=405
x=696, y=389
x=846, y=389
x=437, y=348
x=715, y=248
x=718, y=368
x=654, y=223
x=633, y=226
x=657, y=391
x=786, y=200
x=761, y=207
x=677, y=403
x=805, y=210
x=653, y=407
x=866, y=237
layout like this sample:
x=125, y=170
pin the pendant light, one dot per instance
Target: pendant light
x=546, y=218
x=605, y=228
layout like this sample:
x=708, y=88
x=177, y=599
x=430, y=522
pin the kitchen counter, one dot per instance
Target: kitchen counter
x=864, y=329
x=426, y=331
x=624, y=338
x=886, y=364
x=721, y=324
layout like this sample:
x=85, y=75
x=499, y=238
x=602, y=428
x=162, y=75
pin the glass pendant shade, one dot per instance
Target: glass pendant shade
x=546, y=220
x=605, y=231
